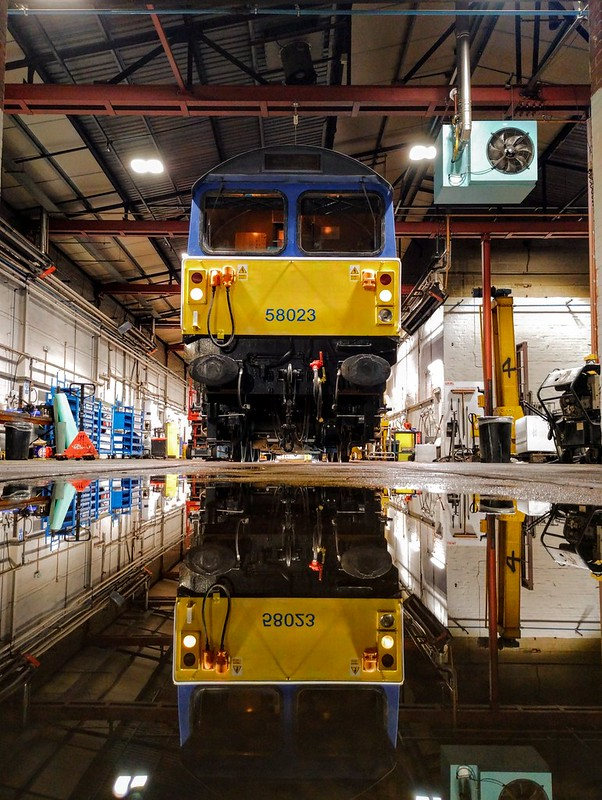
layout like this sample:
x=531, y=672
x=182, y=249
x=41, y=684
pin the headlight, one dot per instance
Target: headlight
x=387, y=620
x=385, y=296
x=196, y=293
x=189, y=640
x=387, y=641
x=385, y=315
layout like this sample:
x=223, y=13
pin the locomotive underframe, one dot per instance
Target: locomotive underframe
x=279, y=403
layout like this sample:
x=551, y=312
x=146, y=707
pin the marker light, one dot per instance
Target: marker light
x=386, y=278
x=387, y=620
x=369, y=279
x=385, y=296
x=189, y=640
x=370, y=659
x=196, y=277
x=385, y=315
x=196, y=293
x=387, y=641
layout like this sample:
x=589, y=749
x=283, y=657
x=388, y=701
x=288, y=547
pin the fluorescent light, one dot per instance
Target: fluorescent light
x=144, y=166
x=154, y=166
x=421, y=152
x=138, y=165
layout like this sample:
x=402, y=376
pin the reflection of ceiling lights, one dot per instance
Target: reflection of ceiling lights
x=421, y=152
x=124, y=784
x=146, y=166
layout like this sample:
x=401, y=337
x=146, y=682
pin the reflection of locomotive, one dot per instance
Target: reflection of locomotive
x=290, y=306
x=288, y=633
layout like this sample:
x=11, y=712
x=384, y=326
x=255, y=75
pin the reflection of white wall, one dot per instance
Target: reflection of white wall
x=51, y=578
x=563, y=598
x=419, y=553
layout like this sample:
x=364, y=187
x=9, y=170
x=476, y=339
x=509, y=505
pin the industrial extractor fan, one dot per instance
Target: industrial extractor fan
x=499, y=164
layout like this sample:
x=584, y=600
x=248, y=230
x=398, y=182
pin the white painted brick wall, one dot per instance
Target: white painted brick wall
x=62, y=348
x=556, y=330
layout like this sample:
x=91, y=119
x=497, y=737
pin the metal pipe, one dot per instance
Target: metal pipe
x=464, y=121
x=297, y=11
x=487, y=323
x=593, y=276
x=44, y=231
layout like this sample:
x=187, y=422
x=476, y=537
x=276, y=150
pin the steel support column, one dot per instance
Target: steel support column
x=492, y=606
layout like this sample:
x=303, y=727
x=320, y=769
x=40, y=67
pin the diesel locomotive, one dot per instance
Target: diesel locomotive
x=290, y=302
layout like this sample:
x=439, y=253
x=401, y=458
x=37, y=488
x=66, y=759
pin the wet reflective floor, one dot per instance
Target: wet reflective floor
x=340, y=631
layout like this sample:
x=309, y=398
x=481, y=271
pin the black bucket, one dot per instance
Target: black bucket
x=18, y=436
x=495, y=439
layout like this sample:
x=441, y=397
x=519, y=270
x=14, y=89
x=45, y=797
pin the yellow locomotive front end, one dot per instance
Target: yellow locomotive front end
x=280, y=640
x=266, y=297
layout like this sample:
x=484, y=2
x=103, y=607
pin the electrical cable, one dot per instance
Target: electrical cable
x=214, y=339
x=226, y=618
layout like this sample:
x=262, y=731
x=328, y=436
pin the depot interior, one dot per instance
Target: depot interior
x=90, y=257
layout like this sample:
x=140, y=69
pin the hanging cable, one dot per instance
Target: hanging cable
x=216, y=586
x=217, y=277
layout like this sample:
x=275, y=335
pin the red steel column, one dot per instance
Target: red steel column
x=487, y=325
x=491, y=572
x=595, y=51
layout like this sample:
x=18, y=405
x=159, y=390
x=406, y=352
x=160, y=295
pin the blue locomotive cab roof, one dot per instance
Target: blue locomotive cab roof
x=304, y=163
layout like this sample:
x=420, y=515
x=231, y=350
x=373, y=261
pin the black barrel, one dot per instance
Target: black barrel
x=495, y=439
x=18, y=436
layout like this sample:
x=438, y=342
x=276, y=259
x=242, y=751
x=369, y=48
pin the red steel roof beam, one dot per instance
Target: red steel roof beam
x=166, y=47
x=231, y=101
x=572, y=227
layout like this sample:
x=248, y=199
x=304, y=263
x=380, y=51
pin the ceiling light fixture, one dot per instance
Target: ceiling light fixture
x=421, y=152
x=145, y=166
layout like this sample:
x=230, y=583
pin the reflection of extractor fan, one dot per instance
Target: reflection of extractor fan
x=492, y=772
x=510, y=150
x=498, y=165
x=523, y=789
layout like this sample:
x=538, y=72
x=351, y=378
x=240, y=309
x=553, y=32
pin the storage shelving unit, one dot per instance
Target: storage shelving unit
x=127, y=432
